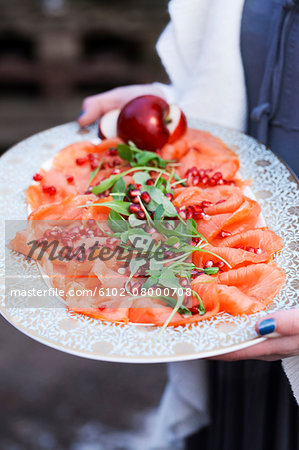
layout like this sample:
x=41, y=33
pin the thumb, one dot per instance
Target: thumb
x=281, y=322
x=92, y=109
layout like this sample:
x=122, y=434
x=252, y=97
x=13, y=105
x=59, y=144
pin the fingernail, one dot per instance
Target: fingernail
x=266, y=326
x=81, y=114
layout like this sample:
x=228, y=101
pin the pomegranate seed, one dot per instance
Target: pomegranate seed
x=250, y=249
x=150, y=182
x=106, y=165
x=206, y=204
x=230, y=183
x=194, y=310
x=169, y=196
x=195, y=273
x=169, y=254
x=115, y=171
x=134, y=192
x=205, y=179
x=37, y=177
x=145, y=197
x=212, y=182
x=140, y=215
x=217, y=176
x=52, y=190
x=81, y=161
x=94, y=165
x=134, y=208
x=225, y=234
x=195, y=180
x=221, y=181
x=189, y=179
x=209, y=263
x=91, y=156
x=69, y=178
x=194, y=170
x=197, y=208
x=184, y=282
x=182, y=214
x=112, y=151
x=258, y=251
x=198, y=215
x=189, y=212
x=135, y=200
x=220, y=265
x=240, y=246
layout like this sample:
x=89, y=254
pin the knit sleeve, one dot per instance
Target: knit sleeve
x=291, y=368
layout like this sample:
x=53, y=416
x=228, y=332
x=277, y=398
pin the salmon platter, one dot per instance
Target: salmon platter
x=146, y=254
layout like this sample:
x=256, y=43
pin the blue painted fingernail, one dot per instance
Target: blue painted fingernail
x=81, y=114
x=267, y=326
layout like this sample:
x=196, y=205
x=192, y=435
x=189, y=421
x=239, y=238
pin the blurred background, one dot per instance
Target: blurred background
x=55, y=52
x=52, y=54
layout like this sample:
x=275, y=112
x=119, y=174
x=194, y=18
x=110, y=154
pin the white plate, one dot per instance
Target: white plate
x=273, y=186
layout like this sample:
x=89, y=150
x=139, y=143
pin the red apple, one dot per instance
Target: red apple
x=177, y=123
x=107, y=124
x=150, y=122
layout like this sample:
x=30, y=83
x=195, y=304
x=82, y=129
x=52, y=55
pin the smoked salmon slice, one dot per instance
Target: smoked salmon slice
x=246, y=290
x=65, y=164
x=204, y=151
x=249, y=247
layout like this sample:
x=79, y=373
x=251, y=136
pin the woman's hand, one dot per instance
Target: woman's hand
x=283, y=330
x=95, y=106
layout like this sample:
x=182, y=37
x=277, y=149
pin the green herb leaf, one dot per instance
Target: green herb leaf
x=211, y=270
x=141, y=177
x=118, y=206
x=106, y=184
x=137, y=157
x=116, y=222
x=172, y=302
x=159, y=212
x=119, y=187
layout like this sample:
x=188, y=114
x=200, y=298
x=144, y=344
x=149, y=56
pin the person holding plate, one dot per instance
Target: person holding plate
x=236, y=63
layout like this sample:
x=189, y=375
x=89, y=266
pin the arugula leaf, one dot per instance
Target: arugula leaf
x=172, y=240
x=116, y=222
x=211, y=270
x=172, y=302
x=159, y=212
x=135, y=264
x=106, y=184
x=119, y=187
x=134, y=222
x=169, y=280
x=118, y=206
x=94, y=173
x=158, y=198
x=125, y=152
x=137, y=157
x=141, y=177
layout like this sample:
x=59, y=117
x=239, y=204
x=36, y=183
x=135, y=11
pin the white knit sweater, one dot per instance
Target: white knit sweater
x=201, y=53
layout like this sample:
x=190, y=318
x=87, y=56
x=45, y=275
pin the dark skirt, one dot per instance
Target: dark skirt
x=252, y=408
